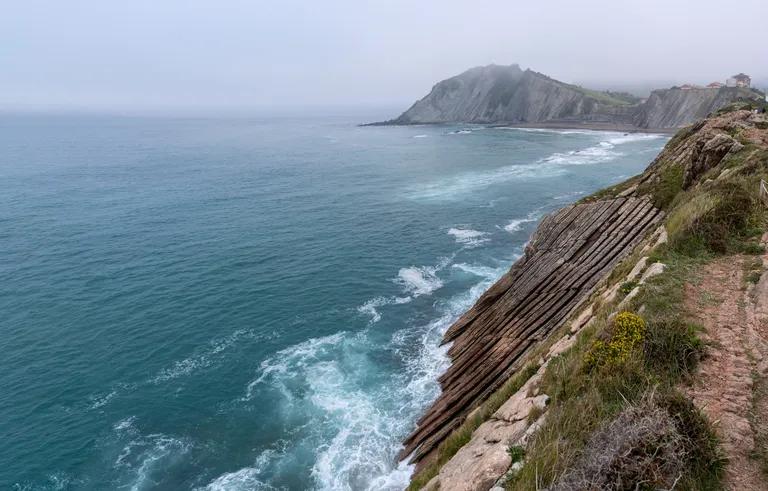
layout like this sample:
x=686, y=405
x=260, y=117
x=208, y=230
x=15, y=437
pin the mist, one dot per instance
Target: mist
x=205, y=55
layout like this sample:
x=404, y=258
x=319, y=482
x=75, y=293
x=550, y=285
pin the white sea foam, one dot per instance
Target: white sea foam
x=248, y=478
x=516, y=224
x=633, y=137
x=420, y=136
x=415, y=280
x=101, y=400
x=298, y=356
x=421, y=280
x=204, y=358
x=354, y=426
x=468, y=237
x=371, y=307
x=551, y=166
x=143, y=455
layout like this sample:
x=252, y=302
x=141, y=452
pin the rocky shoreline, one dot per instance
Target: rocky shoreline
x=584, y=264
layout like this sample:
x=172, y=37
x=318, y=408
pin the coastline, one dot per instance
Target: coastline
x=585, y=265
x=587, y=126
x=552, y=125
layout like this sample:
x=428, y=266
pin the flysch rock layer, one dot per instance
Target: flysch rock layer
x=485, y=462
x=570, y=253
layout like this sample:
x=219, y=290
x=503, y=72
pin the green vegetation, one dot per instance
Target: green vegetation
x=626, y=333
x=617, y=390
x=516, y=453
x=463, y=433
x=615, y=366
x=608, y=97
x=620, y=382
x=627, y=287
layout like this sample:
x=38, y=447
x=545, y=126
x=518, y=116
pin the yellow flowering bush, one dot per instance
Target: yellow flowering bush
x=627, y=333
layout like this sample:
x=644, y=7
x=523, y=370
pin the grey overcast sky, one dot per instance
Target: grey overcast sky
x=236, y=54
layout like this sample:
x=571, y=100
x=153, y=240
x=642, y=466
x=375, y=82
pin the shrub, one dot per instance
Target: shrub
x=713, y=220
x=672, y=346
x=516, y=453
x=628, y=332
x=627, y=287
x=705, y=460
x=641, y=446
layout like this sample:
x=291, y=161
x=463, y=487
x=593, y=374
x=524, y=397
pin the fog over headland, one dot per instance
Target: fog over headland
x=238, y=54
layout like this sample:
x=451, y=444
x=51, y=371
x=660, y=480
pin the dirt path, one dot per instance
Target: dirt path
x=731, y=387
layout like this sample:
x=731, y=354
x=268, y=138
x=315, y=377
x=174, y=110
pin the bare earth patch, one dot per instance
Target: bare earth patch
x=730, y=388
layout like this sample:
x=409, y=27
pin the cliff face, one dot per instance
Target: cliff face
x=504, y=93
x=523, y=383
x=509, y=95
x=674, y=108
x=568, y=255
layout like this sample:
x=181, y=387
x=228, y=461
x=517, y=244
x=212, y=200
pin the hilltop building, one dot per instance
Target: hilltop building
x=740, y=80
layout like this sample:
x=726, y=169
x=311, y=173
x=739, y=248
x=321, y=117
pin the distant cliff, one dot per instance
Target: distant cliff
x=674, y=108
x=496, y=94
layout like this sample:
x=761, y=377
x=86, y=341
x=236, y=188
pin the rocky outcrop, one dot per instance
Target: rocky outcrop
x=485, y=461
x=702, y=147
x=509, y=95
x=571, y=251
x=495, y=93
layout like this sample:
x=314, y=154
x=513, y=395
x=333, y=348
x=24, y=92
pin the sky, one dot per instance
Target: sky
x=238, y=54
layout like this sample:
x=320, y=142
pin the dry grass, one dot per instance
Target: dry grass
x=641, y=447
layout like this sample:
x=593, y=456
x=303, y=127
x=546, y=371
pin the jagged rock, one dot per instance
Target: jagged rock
x=653, y=270
x=707, y=154
x=625, y=301
x=569, y=254
x=519, y=406
x=478, y=464
x=723, y=174
x=582, y=319
x=637, y=269
x=611, y=293
x=627, y=192
x=561, y=346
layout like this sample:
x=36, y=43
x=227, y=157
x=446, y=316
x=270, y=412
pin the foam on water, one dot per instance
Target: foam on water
x=516, y=224
x=421, y=280
x=204, y=358
x=370, y=308
x=551, y=166
x=469, y=237
x=143, y=455
x=248, y=478
x=356, y=430
x=415, y=281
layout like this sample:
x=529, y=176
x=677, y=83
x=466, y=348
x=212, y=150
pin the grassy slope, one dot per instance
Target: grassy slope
x=720, y=217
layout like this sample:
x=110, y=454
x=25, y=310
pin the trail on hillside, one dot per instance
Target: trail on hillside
x=731, y=384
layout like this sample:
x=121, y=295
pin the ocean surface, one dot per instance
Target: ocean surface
x=231, y=303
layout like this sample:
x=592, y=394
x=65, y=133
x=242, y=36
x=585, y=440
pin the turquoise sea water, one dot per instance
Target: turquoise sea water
x=252, y=303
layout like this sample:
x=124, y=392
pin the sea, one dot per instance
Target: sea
x=252, y=301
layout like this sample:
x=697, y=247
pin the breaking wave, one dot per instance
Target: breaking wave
x=355, y=428
x=551, y=166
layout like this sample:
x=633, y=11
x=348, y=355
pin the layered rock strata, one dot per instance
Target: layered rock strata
x=569, y=254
